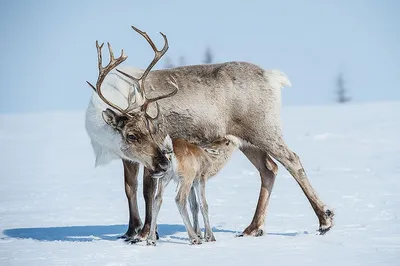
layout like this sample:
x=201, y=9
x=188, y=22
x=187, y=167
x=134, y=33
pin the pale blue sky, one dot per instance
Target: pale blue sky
x=47, y=46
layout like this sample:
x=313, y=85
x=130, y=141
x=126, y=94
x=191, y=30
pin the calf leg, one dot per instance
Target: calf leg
x=194, y=207
x=161, y=184
x=268, y=170
x=131, y=170
x=181, y=200
x=201, y=192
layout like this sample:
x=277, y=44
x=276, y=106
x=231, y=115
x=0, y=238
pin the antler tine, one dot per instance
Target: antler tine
x=133, y=94
x=111, y=52
x=144, y=34
x=103, y=71
x=158, y=53
x=135, y=80
x=99, y=55
x=172, y=93
x=130, y=97
x=134, y=104
x=99, y=61
x=154, y=120
x=157, y=115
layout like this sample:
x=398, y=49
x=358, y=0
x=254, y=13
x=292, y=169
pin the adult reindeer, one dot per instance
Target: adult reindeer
x=234, y=98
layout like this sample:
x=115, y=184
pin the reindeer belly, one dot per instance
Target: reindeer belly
x=195, y=127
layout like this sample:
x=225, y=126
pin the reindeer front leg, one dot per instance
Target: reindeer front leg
x=131, y=171
x=148, y=194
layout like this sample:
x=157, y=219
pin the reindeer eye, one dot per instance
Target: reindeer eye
x=131, y=138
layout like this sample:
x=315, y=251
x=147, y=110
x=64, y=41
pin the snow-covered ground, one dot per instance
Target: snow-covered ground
x=56, y=208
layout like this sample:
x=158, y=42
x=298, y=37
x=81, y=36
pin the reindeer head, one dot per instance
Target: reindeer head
x=137, y=144
x=137, y=128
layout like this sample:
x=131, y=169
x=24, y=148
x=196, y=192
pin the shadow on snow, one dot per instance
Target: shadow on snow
x=90, y=233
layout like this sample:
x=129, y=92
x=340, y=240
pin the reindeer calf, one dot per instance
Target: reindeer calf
x=191, y=166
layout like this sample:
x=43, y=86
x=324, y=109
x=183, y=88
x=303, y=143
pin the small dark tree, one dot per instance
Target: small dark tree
x=182, y=61
x=208, y=56
x=168, y=63
x=341, y=90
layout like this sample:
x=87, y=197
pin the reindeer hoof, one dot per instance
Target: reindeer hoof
x=259, y=232
x=328, y=222
x=323, y=230
x=151, y=242
x=134, y=240
x=129, y=239
x=127, y=235
x=254, y=232
x=124, y=236
x=130, y=233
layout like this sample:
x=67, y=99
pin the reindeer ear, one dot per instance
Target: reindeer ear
x=113, y=119
x=167, y=144
x=110, y=117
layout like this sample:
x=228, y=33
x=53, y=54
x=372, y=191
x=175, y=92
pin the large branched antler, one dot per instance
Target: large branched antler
x=103, y=71
x=141, y=81
x=138, y=83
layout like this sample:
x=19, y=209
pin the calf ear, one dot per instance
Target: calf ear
x=113, y=119
x=167, y=144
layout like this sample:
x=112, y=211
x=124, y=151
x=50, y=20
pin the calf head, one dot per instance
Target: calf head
x=223, y=146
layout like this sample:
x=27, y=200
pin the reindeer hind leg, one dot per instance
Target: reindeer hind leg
x=201, y=193
x=292, y=163
x=268, y=171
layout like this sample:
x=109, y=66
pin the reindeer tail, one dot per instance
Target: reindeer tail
x=276, y=76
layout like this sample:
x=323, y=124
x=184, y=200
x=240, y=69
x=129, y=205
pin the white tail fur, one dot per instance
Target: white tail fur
x=278, y=77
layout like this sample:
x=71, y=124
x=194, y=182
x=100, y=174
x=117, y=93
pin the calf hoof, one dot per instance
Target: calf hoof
x=199, y=234
x=210, y=238
x=327, y=222
x=195, y=241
